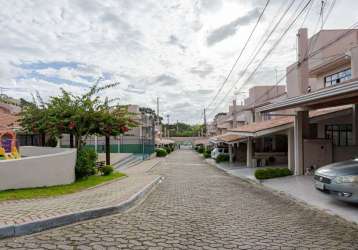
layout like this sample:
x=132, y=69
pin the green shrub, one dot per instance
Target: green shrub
x=85, y=163
x=106, y=170
x=201, y=150
x=207, y=154
x=161, y=152
x=222, y=158
x=268, y=173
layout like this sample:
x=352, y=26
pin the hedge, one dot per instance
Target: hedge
x=268, y=173
x=222, y=158
x=161, y=152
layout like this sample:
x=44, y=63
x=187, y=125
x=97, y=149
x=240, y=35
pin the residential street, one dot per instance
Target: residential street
x=200, y=207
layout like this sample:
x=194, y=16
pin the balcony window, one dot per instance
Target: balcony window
x=341, y=134
x=339, y=77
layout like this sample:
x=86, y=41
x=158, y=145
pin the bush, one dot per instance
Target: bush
x=268, y=173
x=222, y=158
x=200, y=150
x=85, y=163
x=106, y=170
x=161, y=152
x=207, y=154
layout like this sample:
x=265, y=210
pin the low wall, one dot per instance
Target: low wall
x=40, y=166
x=345, y=153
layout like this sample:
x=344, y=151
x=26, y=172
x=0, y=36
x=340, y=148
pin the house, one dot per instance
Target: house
x=315, y=121
x=243, y=117
x=324, y=78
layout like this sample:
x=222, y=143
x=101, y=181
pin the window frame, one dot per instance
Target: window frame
x=338, y=77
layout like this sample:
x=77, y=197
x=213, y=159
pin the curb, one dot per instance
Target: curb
x=41, y=225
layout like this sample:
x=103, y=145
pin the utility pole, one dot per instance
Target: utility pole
x=205, y=125
x=158, y=119
x=168, y=130
x=177, y=126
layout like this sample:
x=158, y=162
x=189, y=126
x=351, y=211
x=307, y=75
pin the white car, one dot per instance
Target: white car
x=219, y=151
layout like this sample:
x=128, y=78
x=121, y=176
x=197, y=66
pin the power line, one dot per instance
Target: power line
x=272, y=48
x=241, y=52
x=311, y=46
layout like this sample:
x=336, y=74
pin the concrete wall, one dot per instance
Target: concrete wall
x=344, y=153
x=40, y=167
x=317, y=152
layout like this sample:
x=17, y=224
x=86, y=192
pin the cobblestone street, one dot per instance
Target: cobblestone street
x=200, y=207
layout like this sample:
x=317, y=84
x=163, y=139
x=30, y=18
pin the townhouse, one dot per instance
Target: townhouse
x=314, y=122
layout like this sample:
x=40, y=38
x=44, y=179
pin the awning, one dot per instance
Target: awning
x=163, y=141
x=340, y=94
x=204, y=141
x=275, y=125
x=226, y=138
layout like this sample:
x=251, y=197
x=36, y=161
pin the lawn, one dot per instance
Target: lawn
x=41, y=192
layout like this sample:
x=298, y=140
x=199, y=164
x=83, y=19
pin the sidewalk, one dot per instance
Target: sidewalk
x=25, y=212
x=300, y=188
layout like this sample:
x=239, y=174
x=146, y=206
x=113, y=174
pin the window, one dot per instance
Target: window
x=341, y=135
x=339, y=77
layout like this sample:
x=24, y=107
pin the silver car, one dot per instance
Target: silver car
x=339, y=179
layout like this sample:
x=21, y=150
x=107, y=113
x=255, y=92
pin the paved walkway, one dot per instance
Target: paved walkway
x=24, y=211
x=200, y=207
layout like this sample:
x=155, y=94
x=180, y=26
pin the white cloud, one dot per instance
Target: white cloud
x=154, y=48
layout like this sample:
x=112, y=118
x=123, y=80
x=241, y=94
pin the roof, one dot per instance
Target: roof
x=340, y=94
x=204, y=141
x=227, y=138
x=283, y=122
x=8, y=121
x=163, y=141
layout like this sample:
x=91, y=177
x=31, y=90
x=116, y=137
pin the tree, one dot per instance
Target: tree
x=34, y=119
x=113, y=121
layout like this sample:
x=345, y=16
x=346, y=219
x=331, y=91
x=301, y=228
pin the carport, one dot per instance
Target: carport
x=338, y=96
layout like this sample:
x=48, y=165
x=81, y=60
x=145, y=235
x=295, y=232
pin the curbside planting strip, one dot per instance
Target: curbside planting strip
x=41, y=225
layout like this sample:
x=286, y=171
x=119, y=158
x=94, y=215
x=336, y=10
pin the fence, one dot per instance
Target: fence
x=120, y=144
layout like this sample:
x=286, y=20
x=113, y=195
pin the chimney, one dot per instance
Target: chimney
x=234, y=116
x=303, y=51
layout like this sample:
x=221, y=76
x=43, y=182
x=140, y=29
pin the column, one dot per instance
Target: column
x=355, y=124
x=301, y=129
x=249, y=152
x=230, y=153
x=291, y=149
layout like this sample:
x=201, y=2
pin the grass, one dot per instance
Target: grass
x=42, y=192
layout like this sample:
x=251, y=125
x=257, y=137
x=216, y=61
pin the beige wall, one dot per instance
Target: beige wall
x=42, y=166
x=344, y=153
x=340, y=47
x=327, y=55
x=317, y=153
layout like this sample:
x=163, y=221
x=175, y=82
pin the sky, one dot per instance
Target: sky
x=178, y=50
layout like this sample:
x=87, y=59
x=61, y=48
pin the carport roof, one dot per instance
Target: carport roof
x=279, y=124
x=226, y=138
x=340, y=94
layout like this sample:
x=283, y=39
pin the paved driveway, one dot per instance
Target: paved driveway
x=199, y=207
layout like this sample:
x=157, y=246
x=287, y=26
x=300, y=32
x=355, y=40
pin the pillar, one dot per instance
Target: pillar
x=301, y=128
x=355, y=124
x=291, y=149
x=230, y=153
x=249, y=152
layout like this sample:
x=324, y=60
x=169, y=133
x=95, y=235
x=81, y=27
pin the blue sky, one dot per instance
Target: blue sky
x=178, y=50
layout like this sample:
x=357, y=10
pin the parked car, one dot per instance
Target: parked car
x=219, y=151
x=339, y=179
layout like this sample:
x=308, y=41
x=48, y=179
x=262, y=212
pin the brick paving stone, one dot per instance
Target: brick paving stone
x=24, y=211
x=200, y=207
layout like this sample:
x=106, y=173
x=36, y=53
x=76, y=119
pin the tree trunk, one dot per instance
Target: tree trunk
x=108, y=151
x=71, y=140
